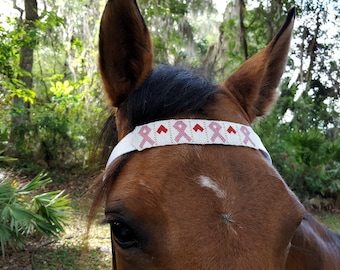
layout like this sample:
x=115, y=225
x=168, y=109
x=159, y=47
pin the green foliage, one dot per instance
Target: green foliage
x=314, y=170
x=173, y=27
x=11, y=42
x=64, y=101
x=6, y=159
x=23, y=213
x=67, y=111
x=66, y=108
x=308, y=161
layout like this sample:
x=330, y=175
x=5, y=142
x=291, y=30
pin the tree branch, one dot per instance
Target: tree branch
x=15, y=6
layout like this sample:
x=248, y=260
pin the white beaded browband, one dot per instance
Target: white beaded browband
x=187, y=131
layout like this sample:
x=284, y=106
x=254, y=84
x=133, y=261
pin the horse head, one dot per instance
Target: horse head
x=190, y=185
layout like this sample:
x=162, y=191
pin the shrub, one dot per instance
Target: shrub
x=24, y=212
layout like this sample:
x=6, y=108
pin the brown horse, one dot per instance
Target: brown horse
x=190, y=185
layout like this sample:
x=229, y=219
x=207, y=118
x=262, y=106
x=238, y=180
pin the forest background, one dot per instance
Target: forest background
x=52, y=106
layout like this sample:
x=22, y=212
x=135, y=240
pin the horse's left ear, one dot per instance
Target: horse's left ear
x=125, y=49
x=254, y=83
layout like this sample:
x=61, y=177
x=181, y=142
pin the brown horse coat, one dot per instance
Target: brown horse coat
x=199, y=206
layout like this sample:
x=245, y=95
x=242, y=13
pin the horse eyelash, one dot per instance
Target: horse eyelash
x=105, y=221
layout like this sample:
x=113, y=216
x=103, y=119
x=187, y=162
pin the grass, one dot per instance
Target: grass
x=73, y=251
x=331, y=221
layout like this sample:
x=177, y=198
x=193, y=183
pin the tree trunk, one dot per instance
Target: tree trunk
x=243, y=39
x=20, y=115
x=272, y=21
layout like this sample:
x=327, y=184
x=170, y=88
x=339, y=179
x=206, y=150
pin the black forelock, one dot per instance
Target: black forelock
x=167, y=92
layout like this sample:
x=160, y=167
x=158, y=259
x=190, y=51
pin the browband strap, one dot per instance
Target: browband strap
x=187, y=131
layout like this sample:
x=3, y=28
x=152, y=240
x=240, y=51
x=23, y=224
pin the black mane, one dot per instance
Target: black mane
x=167, y=92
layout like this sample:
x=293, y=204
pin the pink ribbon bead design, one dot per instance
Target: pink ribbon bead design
x=180, y=126
x=144, y=132
x=216, y=127
x=246, y=133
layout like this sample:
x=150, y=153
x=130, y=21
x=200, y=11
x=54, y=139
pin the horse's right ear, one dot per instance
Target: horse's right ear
x=254, y=83
x=125, y=50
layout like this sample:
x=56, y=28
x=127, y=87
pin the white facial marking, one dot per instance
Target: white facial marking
x=143, y=184
x=206, y=182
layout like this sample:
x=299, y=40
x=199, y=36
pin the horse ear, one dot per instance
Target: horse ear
x=125, y=49
x=254, y=83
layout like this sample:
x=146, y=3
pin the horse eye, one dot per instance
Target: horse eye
x=123, y=235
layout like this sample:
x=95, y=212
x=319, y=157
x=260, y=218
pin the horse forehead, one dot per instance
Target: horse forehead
x=153, y=169
x=186, y=169
x=157, y=173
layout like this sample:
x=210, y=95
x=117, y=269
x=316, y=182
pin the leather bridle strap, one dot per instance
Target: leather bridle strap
x=187, y=131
